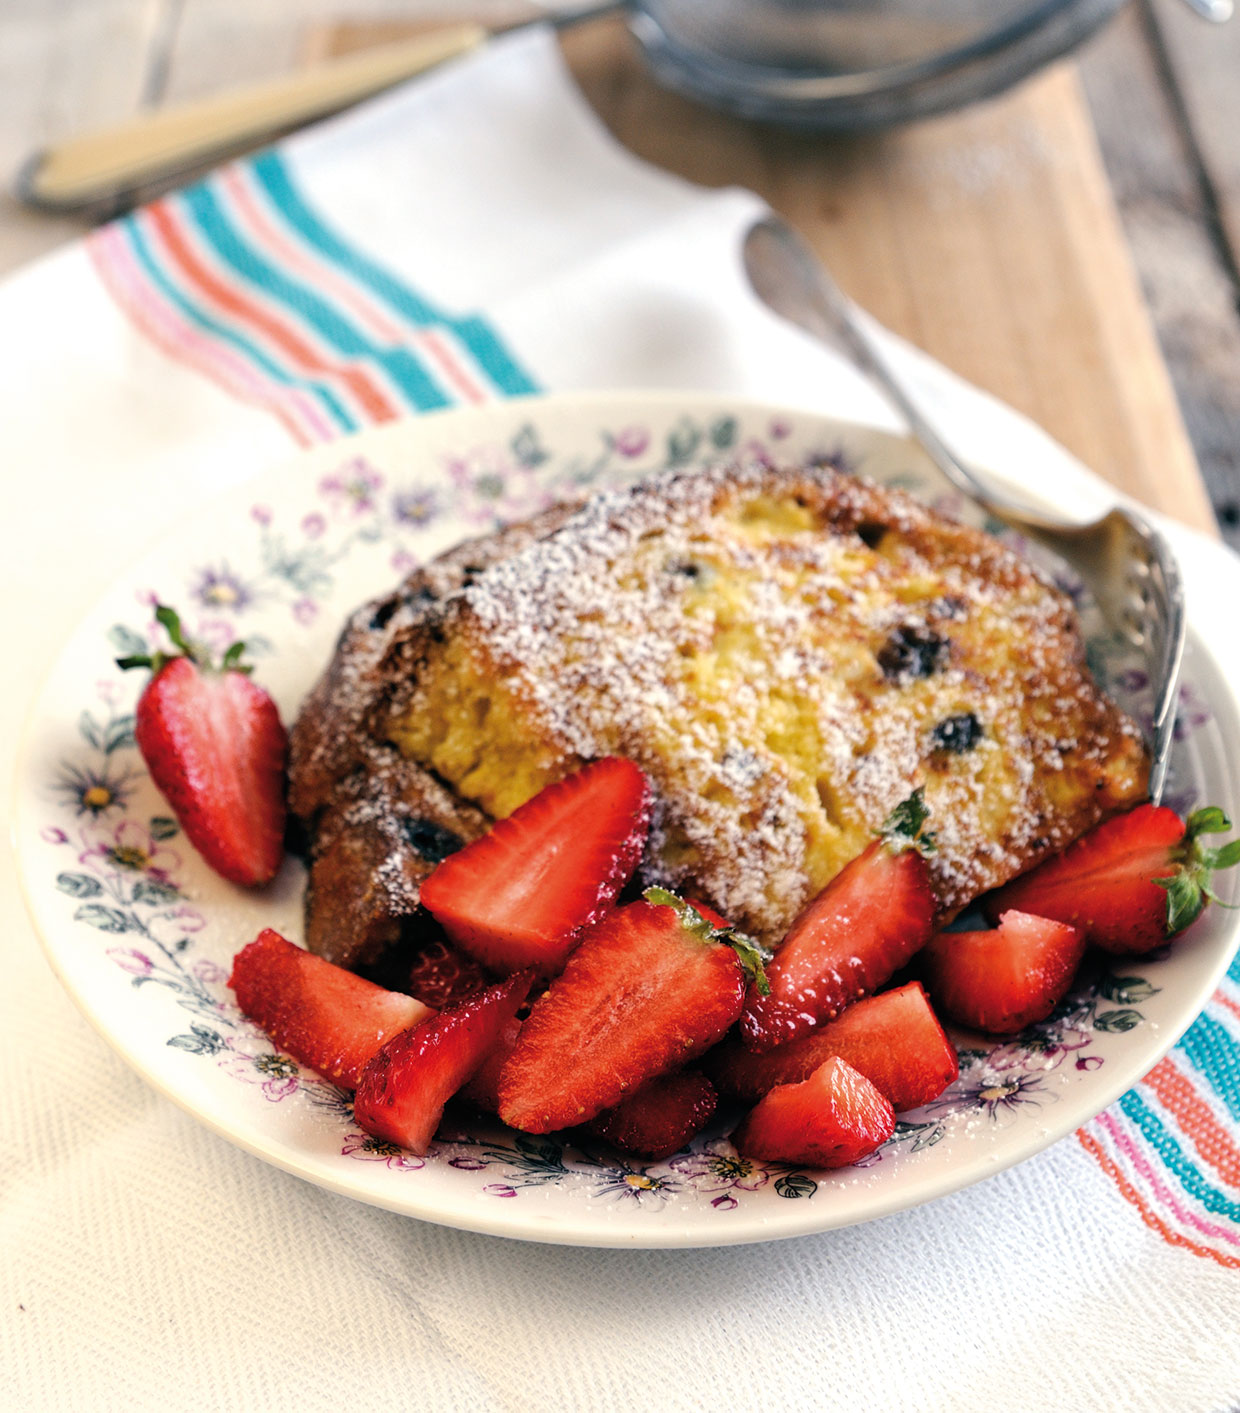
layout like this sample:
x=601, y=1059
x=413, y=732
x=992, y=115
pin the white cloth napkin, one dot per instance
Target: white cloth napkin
x=148, y=1263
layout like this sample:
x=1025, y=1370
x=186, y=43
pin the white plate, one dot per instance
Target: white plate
x=142, y=934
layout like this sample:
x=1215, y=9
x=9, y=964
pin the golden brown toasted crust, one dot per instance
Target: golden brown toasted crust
x=384, y=829
x=787, y=653
x=379, y=823
x=336, y=725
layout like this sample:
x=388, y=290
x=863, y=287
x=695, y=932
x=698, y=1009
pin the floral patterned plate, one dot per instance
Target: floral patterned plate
x=142, y=933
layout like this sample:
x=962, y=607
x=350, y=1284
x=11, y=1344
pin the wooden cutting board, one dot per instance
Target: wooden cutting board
x=988, y=237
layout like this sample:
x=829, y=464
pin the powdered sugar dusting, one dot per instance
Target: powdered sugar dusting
x=724, y=629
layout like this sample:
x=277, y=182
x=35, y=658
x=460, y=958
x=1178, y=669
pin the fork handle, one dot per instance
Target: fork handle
x=835, y=318
x=96, y=165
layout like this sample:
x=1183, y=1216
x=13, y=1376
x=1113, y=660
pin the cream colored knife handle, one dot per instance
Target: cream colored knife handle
x=99, y=164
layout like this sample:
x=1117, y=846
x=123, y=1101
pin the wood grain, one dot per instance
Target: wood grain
x=989, y=238
x=1203, y=63
x=52, y=84
x=1152, y=160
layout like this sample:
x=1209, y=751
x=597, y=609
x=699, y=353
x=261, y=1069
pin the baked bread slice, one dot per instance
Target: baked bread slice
x=787, y=653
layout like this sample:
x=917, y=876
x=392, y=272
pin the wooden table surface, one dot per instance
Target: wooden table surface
x=1074, y=246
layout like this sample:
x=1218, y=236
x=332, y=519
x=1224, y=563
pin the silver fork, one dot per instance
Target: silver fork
x=1123, y=561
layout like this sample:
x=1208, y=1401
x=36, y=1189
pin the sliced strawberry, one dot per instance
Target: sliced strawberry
x=710, y=914
x=214, y=744
x=403, y=1090
x=522, y=894
x=864, y=925
x=1004, y=980
x=441, y=976
x=482, y=1088
x=1131, y=882
x=651, y=987
x=324, y=1016
x=894, y=1039
x=831, y=1119
x=661, y=1117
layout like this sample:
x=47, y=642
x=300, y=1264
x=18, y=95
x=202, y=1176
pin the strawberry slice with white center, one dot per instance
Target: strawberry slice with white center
x=522, y=894
x=894, y=1039
x=215, y=746
x=1130, y=883
x=832, y=1119
x=661, y=1117
x=861, y=929
x=651, y=987
x=324, y=1016
x=402, y=1092
x=1001, y=981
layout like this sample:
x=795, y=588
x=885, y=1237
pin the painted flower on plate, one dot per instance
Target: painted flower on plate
x=216, y=586
x=353, y=488
x=631, y=441
x=368, y=1149
x=718, y=1167
x=998, y=1096
x=635, y=1184
x=130, y=848
x=492, y=487
x=91, y=791
x=255, y=1062
x=415, y=507
x=131, y=960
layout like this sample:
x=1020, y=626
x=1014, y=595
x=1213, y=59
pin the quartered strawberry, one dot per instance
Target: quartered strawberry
x=482, y=1088
x=829, y=1120
x=440, y=975
x=1003, y=980
x=894, y=1039
x=214, y=744
x=661, y=1117
x=864, y=925
x=324, y=1016
x=1131, y=882
x=402, y=1092
x=650, y=988
x=522, y=894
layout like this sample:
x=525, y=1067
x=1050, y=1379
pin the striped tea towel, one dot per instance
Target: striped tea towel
x=473, y=236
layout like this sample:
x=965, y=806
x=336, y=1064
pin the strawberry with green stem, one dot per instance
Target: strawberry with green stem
x=651, y=986
x=1130, y=883
x=849, y=939
x=216, y=749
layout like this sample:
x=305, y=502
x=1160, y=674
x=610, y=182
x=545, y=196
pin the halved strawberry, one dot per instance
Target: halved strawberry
x=894, y=1039
x=661, y=1117
x=403, y=1090
x=214, y=744
x=324, y=1016
x=651, y=987
x=1131, y=882
x=441, y=976
x=864, y=925
x=522, y=894
x=831, y=1119
x=1004, y=980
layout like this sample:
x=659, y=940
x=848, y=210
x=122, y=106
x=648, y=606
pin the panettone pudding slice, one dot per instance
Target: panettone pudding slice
x=787, y=653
